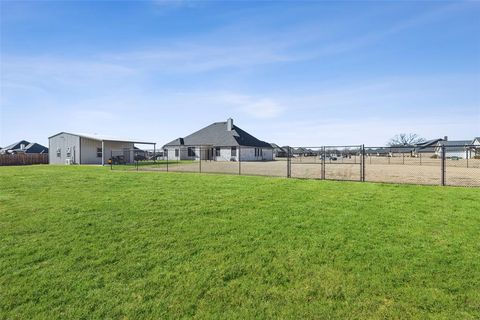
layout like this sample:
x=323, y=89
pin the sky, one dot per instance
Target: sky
x=293, y=73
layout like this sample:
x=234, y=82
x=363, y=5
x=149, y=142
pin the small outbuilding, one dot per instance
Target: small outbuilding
x=73, y=148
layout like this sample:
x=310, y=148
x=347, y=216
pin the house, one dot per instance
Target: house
x=279, y=152
x=23, y=146
x=474, y=148
x=220, y=141
x=454, y=148
x=70, y=148
x=427, y=148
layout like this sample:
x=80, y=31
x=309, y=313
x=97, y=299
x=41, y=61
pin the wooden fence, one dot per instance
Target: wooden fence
x=23, y=159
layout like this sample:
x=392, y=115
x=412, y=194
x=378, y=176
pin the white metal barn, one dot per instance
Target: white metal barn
x=220, y=141
x=72, y=148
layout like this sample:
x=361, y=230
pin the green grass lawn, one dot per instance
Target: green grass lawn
x=150, y=164
x=87, y=242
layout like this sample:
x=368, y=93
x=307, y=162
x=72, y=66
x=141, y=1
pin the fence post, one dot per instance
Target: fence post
x=443, y=166
x=363, y=163
x=111, y=159
x=323, y=163
x=167, y=159
x=466, y=156
x=200, y=159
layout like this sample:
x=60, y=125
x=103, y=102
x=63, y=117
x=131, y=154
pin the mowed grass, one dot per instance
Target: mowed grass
x=86, y=242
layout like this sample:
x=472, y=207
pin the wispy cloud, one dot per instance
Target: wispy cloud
x=256, y=107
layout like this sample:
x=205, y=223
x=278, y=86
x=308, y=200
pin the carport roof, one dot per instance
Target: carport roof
x=103, y=138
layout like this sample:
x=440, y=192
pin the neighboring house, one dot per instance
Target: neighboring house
x=454, y=148
x=24, y=146
x=474, y=148
x=288, y=150
x=298, y=152
x=279, y=152
x=220, y=141
x=70, y=148
x=427, y=148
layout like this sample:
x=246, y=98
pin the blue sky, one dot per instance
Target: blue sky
x=297, y=73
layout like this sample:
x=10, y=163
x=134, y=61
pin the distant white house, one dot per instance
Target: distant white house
x=73, y=148
x=463, y=149
x=220, y=141
x=474, y=148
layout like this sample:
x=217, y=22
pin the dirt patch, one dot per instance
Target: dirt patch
x=377, y=170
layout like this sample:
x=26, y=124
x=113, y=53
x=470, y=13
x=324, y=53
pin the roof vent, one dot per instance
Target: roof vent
x=229, y=124
x=445, y=138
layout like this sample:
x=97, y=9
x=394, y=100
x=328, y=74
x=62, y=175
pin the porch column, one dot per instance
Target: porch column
x=103, y=153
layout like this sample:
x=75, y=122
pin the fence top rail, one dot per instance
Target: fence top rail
x=433, y=146
x=319, y=147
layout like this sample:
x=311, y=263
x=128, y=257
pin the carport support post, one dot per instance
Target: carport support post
x=443, y=165
x=239, y=160
x=323, y=162
x=289, y=162
x=103, y=153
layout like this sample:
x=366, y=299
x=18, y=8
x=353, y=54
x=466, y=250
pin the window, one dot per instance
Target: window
x=234, y=151
x=217, y=152
x=59, y=152
x=176, y=153
x=261, y=152
x=191, y=152
x=99, y=152
x=69, y=154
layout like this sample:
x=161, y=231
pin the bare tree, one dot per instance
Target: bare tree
x=405, y=139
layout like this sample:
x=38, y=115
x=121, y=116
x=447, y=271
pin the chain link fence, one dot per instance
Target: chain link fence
x=442, y=165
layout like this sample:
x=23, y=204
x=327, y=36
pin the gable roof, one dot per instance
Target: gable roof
x=36, y=148
x=427, y=143
x=16, y=145
x=277, y=148
x=27, y=148
x=101, y=137
x=217, y=134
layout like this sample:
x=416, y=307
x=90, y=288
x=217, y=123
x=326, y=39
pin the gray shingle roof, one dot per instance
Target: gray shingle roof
x=16, y=145
x=455, y=142
x=217, y=134
x=277, y=148
x=29, y=147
